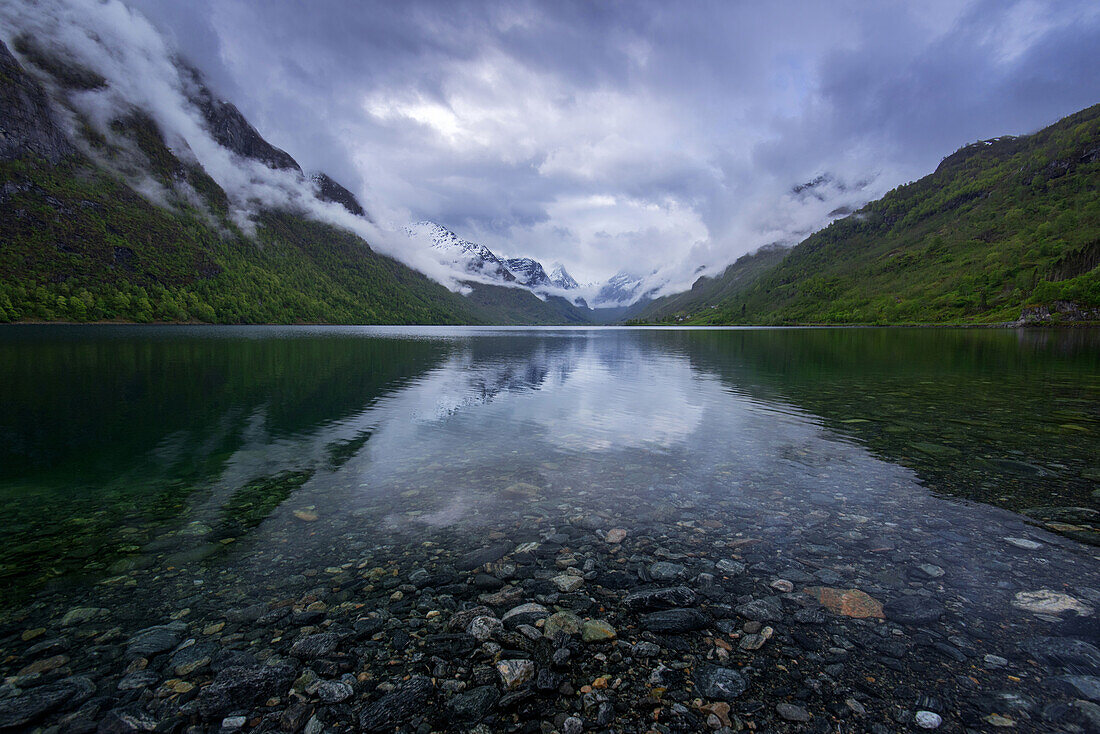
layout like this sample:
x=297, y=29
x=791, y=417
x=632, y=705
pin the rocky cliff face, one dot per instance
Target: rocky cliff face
x=329, y=190
x=27, y=125
x=230, y=128
x=529, y=272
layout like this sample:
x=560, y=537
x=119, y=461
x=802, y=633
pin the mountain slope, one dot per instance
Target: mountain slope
x=705, y=292
x=1001, y=225
x=561, y=278
x=120, y=227
x=473, y=257
x=529, y=272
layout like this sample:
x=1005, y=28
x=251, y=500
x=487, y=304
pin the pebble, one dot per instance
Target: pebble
x=514, y=673
x=572, y=725
x=848, y=602
x=564, y=621
x=782, y=585
x=1046, y=601
x=567, y=583
x=930, y=571
x=730, y=568
x=484, y=627
x=597, y=630
x=332, y=691
x=999, y=721
x=528, y=613
x=752, y=642
x=790, y=712
x=1024, y=543
x=928, y=719
x=719, y=683
x=615, y=536
x=664, y=571
x=233, y=723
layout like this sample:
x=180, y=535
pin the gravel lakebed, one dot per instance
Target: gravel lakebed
x=825, y=605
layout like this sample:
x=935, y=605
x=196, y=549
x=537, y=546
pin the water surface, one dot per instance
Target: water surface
x=215, y=468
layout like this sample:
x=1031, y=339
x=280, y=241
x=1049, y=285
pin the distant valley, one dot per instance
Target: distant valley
x=124, y=223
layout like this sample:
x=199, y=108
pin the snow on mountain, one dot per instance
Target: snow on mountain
x=620, y=289
x=470, y=256
x=560, y=277
x=529, y=272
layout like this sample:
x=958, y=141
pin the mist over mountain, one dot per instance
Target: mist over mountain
x=135, y=189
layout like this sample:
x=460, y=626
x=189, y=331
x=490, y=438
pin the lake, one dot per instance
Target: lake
x=341, y=528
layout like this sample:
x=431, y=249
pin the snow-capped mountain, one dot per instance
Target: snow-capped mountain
x=620, y=289
x=529, y=272
x=473, y=257
x=560, y=277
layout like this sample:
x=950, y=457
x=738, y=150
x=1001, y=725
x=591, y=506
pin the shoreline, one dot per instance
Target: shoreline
x=807, y=325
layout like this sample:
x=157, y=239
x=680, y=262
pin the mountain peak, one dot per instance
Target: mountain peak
x=229, y=127
x=528, y=271
x=473, y=257
x=329, y=190
x=560, y=277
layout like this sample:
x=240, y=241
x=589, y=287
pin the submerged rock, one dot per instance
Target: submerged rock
x=398, y=706
x=761, y=610
x=1076, y=656
x=567, y=583
x=477, y=559
x=597, y=630
x=675, y=620
x=475, y=705
x=524, y=614
x=28, y=706
x=1045, y=601
x=915, y=610
x=723, y=684
x=645, y=600
x=155, y=640
x=663, y=571
x=790, y=712
x=315, y=646
x=241, y=688
x=565, y=621
x=1080, y=686
x=847, y=602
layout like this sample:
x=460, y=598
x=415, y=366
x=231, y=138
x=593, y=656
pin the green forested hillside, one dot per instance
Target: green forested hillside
x=78, y=242
x=1000, y=225
x=705, y=292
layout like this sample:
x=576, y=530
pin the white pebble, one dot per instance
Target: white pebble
x=928, y=720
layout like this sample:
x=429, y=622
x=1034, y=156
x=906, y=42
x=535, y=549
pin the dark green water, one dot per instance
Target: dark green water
x=119, y=445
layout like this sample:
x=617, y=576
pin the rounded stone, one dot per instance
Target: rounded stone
x=484, y=627
x=913, y=610
x=597, y=630
x=564, y=621
x=928, y=719
x=723, y=684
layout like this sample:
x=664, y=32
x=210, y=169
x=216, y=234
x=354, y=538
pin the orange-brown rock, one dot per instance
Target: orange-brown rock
x=847, y=602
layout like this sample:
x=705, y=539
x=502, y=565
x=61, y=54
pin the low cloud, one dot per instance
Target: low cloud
x=653, y=137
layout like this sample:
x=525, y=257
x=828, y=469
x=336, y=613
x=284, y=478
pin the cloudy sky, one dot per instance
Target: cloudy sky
x=638, y=135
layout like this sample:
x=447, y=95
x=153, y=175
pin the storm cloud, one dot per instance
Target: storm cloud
x=647, y=136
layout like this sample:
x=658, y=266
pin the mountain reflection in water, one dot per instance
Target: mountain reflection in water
x=116, y=437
